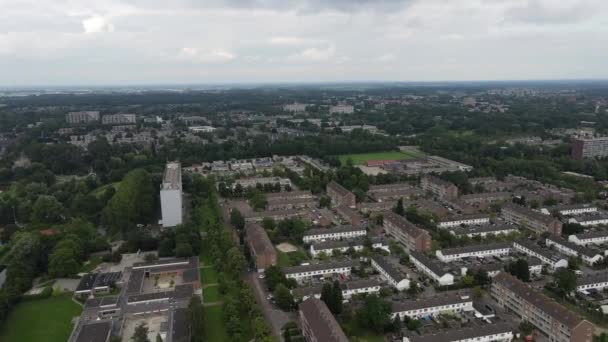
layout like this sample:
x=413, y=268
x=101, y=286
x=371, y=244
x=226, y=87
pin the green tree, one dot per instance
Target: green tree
x=237, y=219
x=47, y=209
x=565, y=280
x=374, y=314
x=196, y=314
x=519, y=269
x=283, y=297
x=141, y=333
x=399, y=209
x=133, y=202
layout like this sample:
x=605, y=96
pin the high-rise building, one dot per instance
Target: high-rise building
x=81, y=117
x=590, y=148
x=118, y=119
x=171, y=195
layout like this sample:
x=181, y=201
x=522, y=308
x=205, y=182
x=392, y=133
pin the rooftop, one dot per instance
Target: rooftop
x=321, y=321
x=475, y=248
x=317, y=267
x=464, y=333
x=342, y=191
x=439, y=300
x=172, y=179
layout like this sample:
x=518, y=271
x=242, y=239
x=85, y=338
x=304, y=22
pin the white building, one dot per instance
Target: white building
x=598, y=282
x=484, y=230
x=593, y=238
x=450, y=303
x=466, y=220
x=343, y=246
x=171, y=195
x=576, y=209
x=201, y=129
x=341, y=109
x=303, y=272
x=479, y=251
x=338, y=233
x=390, y=273
x=118, y=119
x=547, y=257
x=431, y=268
x=566, y=247
x=295, y=107
x=597, y=218
x=495, y=332
x=82, y=117
x=349, y=289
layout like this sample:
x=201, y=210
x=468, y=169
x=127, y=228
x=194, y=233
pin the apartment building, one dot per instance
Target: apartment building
x=438, y=187
x=118, y=119
x=340, y=195
x=390, y=273
x=414, y=238
x=431, y=268
x=467, y=220
x=551, y=318
x=533, y=220
x=171, y=195
x=597, y=282
x=442, y=303
x=342, y=246
x=303, y=272
x=495, y=332
x=575, y=209
x=598, y=218
x=318, y=324
x=341, y=109
x=547, y=257
x=349, y=215
x=349, y=289
x=566, y=247
x=484, y=230
x=590, y=148
x=591, y=238
x=337, y=233
x=261, y=248
x=295, y=107
x=477, y=251
x=82, y=117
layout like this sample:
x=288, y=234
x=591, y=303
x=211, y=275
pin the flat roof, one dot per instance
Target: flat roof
x=318, y=267
x=439, y=300
x=95, y=332
x=475, y=248
x=172, y=179
x=464, y=333
x=339, y=229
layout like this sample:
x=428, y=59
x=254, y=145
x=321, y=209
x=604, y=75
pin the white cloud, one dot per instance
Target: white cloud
x=314, y=54
x=205, y=56
x=279, y=40
x=389, y=57
x=97, y=24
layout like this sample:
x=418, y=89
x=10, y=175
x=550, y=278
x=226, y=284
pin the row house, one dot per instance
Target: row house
x=495, y=332
x=349, y=289
x=390, y=273
x=591, y=238
x=432, y=269
x=342, y=246
x=566, y=247
x=597, y=282
x=337, y=233
x=547, y=257
x=467, y=220
x=475, y=251
x=484, y=230
x=429, y=307
x=303, y=272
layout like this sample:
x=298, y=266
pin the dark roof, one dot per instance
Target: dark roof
x=86, y=282
x=320, y=320
x=579, y=249
x=136, y=280
x=464, y=333
x=529, y=213
x=317, y=267
x=465, y=217
x=487, y=228
x=539, y=250
x=438, y=181
x=351, y=285
x=433, y=265
x=107, y=279
x=181, y=326
x=557, y=311
x=591, y=235
x=339, y=229
x=177, y=263
x=439, y=300
x=342, y=191
x=95, y=332
x=288, y=194
x=392, y=271
x=475, y=248
x=258, y=239
x=600, y=277
x=166, y=295
x=183, y=291
x=403, y=224
x=190, y=275
x=345, y=243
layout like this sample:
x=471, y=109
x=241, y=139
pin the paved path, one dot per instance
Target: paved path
x=275, y=317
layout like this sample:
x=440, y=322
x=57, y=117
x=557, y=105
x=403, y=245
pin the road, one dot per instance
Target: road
x=275, y=317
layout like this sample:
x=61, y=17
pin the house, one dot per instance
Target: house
x=598, y=218
x=438, y=187
x=302, y=272
x=328, y=247
x=350, y=215
x=598, y=281
x=547, y=257
x=467, y=220
x=591, y=238
x=432, y=269
x=349, y=289
x=566, y=247
x=478, y=251
x=551, y=318
x=390, y=273
x=484, y=230
x=495, y=332
x=429, y=307
x=318, y=324
x=337, y=233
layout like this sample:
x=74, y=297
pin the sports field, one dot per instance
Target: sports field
x=362, y=158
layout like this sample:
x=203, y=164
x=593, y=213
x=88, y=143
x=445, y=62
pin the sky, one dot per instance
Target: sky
x=127, y=42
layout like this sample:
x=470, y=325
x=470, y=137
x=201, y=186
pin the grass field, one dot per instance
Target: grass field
x=291, y=258
x=362, y=158
x=214, y=324
x=208, y=275
x=211, y=294
x=47, y=320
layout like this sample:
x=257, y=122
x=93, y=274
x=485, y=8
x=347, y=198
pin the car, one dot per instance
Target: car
x=261, y=276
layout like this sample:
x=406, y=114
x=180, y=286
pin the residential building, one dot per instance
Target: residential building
x=341, y=109
x=590, y=148
x=349, y=289
x=318, y=324
x=253, y=182
x=495, y=332
x=262, y=250
x=535, y=267
x=118, y=119
x=589, y=256
x=432, y=269
x=533, y=220
x=551, y=318
x=438, y=187
x=295, y=107
x=478, y=251
x=467, y=220
x=278, y=215
x=350, y=216
x=429, y=307
x=202, y=129
x=414, y=238
x=547, y=257
x=337, y=233
x=302, y=272
x=390, y=273
x=591, y=238
x=340, y=195
x=171, y=195
x=575, y=209
x=342, y=246
x=598, y=218
x=82, y=117
x=597, y=282
x=485, y=230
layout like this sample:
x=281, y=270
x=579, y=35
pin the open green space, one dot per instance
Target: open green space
x=47, y=320
x=211, y=294
x=208, y=275
x=215, y=328
x=291, y=258
x=362, y=158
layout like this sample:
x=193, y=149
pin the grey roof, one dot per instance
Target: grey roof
x=600, y=277
x=591, y=235
x=529, y=213
x=136, y=280
x=439, y=300
x=539, y=250
x=431, y=264
x=392, y=271
x=318, y=267
x=339, y=229
x=95, y=332
x=475, y=248
x=101, y=301
x=464, y=333
x=86, y=282
x=351, y=285
x=177, y=263
x=181, y=328
x=320, y=320
x=342, y=191
x=557, y=311
x=403, y=224
x=344, y=243
x=488, y=228
x=465, y=217
x=579, y=249
x=258, y=239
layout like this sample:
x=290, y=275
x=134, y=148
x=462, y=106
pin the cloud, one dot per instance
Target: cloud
x=553, y=11
x=282, y=40
x=97, y=24
x=389, y=57
x=210, y=56
x=314, y=54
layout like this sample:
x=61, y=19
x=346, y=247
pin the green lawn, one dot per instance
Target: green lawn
x=47, y=320
x=291, y=259
x=208, y=275
x=211, y=294
x=362, y=158
x=214, y=324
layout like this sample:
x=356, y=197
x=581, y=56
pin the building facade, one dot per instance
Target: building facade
x=340, y=195
x=414, y=238
x=171, y=195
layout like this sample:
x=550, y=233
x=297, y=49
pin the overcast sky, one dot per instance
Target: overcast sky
x=80, y=42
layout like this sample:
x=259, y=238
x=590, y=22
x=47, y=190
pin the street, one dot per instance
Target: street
x=275, y=317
